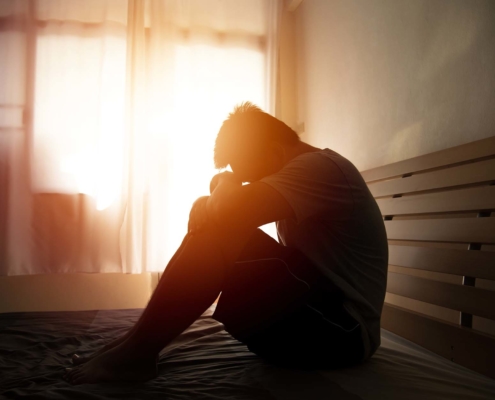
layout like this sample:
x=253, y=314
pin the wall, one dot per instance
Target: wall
x=384, y=80
x=74, y=292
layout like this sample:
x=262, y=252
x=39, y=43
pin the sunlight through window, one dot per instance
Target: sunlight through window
x=79, y=107
x=80, y=142
x=208, y=82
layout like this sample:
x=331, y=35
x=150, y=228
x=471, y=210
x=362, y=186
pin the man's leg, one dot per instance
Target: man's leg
x=189, y=285
x=260, y=245
x=278, y=303
x=77, y=360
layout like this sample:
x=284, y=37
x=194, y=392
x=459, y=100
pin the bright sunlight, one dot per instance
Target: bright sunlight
x=80, y=144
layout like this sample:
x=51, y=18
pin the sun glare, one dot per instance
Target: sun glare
x=208, y=82
x=79, y=114
x=79, y=140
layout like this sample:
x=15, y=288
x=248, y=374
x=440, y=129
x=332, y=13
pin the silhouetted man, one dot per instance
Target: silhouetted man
x=313, y=300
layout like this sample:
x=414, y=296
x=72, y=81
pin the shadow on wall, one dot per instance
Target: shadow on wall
x=402, y=78
x=454, y=94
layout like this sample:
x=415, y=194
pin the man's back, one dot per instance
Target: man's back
x=338, y=226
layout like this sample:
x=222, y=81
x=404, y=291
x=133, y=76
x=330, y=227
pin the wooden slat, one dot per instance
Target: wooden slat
x=479, y=264
x=479, y=172
x=463, y=230
x=469, y=151
x=464, y=346
x=467, y=299
x=475, y=199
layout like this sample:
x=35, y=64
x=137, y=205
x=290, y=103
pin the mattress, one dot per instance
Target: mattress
x=205, y=362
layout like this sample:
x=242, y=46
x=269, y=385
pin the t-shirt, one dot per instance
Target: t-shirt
x=339, y=226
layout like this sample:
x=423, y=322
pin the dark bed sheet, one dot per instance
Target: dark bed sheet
x=205, y=362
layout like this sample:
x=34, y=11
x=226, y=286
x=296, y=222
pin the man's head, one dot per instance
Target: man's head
x=252, y=142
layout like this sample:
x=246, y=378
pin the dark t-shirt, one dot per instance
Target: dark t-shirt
x=338, y=226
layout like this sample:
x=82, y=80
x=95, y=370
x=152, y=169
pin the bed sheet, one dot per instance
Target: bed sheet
x=205, y=362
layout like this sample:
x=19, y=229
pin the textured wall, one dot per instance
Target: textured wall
x=384, y=80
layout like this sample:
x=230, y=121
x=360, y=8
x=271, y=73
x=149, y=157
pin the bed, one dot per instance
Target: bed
x=438, y=212
x=205, y=362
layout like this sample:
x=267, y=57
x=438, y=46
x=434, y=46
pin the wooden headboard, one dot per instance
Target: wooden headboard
x=440, y=221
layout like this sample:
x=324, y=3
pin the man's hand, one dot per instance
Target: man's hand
x=198, y=216
x=226, y=175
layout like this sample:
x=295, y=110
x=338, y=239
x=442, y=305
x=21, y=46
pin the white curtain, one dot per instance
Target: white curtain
x=108, y=122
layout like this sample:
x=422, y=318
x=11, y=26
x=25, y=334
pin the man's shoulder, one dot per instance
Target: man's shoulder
x=322, y=155
x=320, y=161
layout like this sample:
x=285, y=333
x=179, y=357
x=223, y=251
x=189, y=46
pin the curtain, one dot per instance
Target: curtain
x=108, y=120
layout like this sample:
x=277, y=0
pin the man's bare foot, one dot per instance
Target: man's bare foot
x=116, y=364
x=78, y=360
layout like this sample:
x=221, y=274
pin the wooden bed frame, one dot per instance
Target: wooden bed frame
x=439, y=216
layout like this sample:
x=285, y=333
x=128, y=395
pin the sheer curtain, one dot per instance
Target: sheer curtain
x=126, y=99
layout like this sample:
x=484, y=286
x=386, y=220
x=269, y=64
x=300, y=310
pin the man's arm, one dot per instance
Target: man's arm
x=236, y=206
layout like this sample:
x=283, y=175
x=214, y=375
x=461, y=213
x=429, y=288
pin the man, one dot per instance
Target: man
x=313, y=301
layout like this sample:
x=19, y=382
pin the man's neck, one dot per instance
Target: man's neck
x=298, y=149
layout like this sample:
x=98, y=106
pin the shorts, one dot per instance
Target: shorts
x=285, y=310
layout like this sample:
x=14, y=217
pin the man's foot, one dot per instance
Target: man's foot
x=116, y=364
x=78, y=360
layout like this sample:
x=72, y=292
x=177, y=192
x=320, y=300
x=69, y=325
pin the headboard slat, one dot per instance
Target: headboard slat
x=456, y=297
x=439, y=214
x=463, y=230
x=475, y=199
x=475, y=173
x=464, y=346
x=479, y=264
x=454, y=155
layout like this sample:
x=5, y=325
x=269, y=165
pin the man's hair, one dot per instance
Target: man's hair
x=248, y=127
